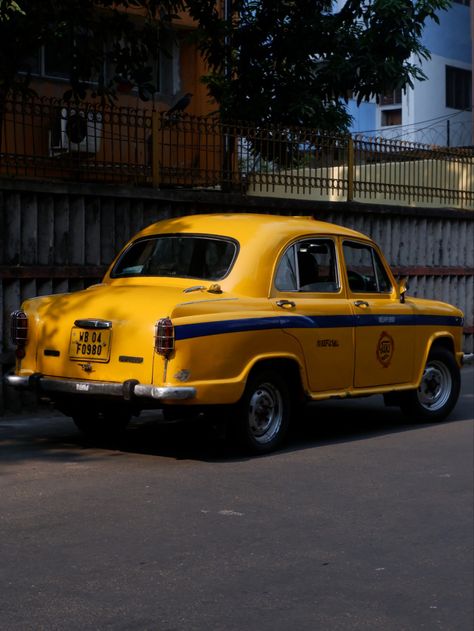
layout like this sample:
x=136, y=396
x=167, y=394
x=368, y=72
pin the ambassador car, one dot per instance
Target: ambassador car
x=243, y=316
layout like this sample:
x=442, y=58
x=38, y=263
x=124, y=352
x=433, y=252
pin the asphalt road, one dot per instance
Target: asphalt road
x=362, y=523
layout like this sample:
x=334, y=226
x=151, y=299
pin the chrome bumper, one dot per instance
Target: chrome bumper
x=468, y=358
x=126, y=390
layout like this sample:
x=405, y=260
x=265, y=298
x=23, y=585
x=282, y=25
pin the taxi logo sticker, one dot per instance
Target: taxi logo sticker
x=385, y=347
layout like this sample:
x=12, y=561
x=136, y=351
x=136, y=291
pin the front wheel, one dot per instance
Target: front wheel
x=263, y=413
x=438, y=391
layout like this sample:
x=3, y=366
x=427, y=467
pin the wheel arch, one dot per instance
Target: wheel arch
x=444, y=340
x=289, y=366
x=440, y=339
x=439, y=388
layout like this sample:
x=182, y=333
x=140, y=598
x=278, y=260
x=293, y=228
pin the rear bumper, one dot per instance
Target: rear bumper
x=126, y=390
x=468, y=358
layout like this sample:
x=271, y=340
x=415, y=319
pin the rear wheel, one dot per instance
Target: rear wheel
x=438, y=391
x=263, y=413
x=101, y=424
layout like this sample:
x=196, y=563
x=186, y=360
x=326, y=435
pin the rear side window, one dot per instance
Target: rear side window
x=206, y=258
x=365, y=271
x=308, y=266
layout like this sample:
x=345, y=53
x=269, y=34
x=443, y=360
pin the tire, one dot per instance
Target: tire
x=262, y=416
x=107, y=424
x=438, y=391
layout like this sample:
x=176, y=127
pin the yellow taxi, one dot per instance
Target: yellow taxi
x=256, y=313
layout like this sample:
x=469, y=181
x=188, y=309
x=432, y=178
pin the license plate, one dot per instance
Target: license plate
x=90, y=345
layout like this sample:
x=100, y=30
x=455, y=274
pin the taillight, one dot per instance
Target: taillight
x=19, y=332
x=164, y=337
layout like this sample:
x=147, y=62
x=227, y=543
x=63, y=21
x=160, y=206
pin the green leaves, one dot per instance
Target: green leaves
x=295, y=62
x=288, y=62
x=8, y=8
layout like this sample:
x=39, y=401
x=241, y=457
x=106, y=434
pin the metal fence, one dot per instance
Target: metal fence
x=50, y=139
x=56, y=140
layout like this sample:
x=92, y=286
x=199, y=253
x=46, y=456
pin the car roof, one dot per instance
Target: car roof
x=261, y=238
x=244, y=226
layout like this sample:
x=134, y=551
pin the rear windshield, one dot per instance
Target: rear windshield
x=206, y=258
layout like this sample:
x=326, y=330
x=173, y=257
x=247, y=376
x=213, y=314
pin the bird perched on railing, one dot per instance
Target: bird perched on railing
x=181, y=104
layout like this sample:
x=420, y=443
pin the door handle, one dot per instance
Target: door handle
x=285, y=304
x=361, y=303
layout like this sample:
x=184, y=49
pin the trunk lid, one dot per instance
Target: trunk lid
x=119, y=319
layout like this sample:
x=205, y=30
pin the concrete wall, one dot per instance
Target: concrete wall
x=451, y=37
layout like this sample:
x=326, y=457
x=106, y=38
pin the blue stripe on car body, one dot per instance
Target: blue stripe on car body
x=201, y=329
x=218, y=327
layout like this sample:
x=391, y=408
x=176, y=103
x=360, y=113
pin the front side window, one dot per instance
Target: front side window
x=365, y=271
x=178, y=256
x=308, y=266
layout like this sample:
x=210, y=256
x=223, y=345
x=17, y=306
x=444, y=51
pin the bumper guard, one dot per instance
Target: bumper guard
x=125, y=390
x=468, y=358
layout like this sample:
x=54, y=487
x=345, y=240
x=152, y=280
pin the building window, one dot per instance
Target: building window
x=47, y=63
x=54, y=64
x=458, y=88
x=391, y=117
x=166, y=68
x=32, y=65
x=393, y=97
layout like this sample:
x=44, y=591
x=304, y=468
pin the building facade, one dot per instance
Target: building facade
x=436, y=111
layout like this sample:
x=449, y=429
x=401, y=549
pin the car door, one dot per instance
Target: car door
x=384, y=333
x=307, y=290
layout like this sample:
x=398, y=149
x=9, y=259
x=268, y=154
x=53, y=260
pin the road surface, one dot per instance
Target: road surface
x=362, y=522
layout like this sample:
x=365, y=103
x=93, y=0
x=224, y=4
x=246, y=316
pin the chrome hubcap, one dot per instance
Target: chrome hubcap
x=435, y=387
x=265, y=413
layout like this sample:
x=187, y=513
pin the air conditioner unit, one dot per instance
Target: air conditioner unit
x=75, y=131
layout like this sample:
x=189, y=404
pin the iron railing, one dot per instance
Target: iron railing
x=51, y=139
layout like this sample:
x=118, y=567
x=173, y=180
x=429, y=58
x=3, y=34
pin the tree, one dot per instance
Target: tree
x=87, y=34
x=297, y=62
x=7, y=9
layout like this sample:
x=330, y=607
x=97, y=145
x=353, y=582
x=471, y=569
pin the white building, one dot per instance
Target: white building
x=438, y=110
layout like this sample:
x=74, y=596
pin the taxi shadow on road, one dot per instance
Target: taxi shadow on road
x=321, y=423
x=52, y=436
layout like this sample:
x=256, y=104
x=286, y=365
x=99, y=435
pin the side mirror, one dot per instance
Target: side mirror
x=402, y=288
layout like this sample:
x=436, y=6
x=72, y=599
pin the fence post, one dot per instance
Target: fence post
x=155, y=163
x=350, y=169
